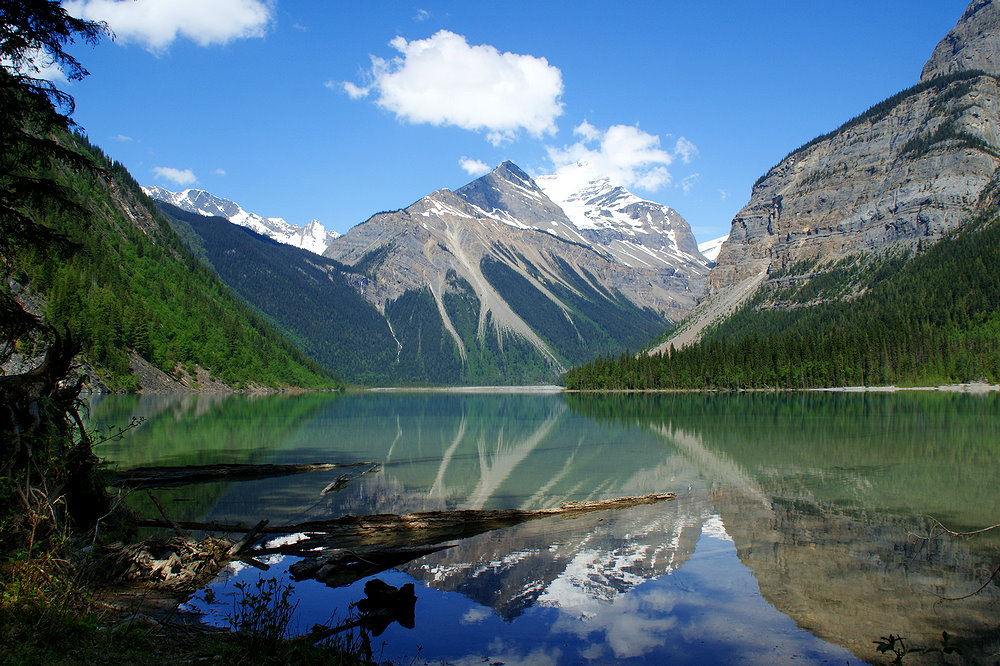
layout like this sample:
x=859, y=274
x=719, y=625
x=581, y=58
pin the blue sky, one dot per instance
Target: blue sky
x=687, y=102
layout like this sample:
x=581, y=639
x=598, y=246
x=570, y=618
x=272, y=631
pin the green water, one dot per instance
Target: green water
x=795, y=533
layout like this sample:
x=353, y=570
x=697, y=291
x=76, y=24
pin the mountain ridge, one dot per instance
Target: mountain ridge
x=902, y=174
x=501, y=230
x=312, y=237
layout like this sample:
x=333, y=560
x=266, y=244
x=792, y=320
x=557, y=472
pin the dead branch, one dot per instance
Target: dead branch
x=981, y=587
x=247, y=541
x=158, y=477
x=159, y=507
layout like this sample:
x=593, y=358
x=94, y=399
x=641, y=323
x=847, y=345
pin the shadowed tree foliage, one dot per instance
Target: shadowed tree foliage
x=47, y=467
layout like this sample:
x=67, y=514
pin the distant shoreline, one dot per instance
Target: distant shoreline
x=548, y=388
x=972, y=387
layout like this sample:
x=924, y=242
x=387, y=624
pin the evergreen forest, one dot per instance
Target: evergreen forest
x=307, y=297
x=926, y=319
x=134, y=287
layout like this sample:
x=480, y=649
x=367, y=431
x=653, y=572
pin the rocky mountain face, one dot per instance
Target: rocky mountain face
x=635, y=231
x=973, y=44
x=906, y=171
x=504, y=271
x=312, y=237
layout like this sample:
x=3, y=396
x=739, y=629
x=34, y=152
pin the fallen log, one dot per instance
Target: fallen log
x=247, y=541
x=414, y=529
x=431, y=527
x=341, y=567
x=158, y=477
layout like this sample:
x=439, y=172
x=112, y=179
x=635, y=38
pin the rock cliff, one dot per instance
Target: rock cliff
x=907, y=170
x=973, y=44
x=911, y=167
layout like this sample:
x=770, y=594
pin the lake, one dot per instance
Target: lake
x=799, y=531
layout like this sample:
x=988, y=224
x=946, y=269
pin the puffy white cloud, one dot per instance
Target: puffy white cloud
x=587, y=131
x=157, y=23
x=176, y=176
x=685, y=150
x=442, y=80
x=624, y=154
x=422, y=15
x=473, y=167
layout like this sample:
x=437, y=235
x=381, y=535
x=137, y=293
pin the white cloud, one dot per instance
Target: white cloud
x=624, y=154
x=473, y=167
x=475, y=615
x=176, y=176
x=587, y=131
x=353, y=91
x=723, y=194
x=442, y=80
x=157, y=23
x=123, y=138
x=422, y=15
x=688, y=182
x=685, y=150
x=219, y=172
x=38, y=64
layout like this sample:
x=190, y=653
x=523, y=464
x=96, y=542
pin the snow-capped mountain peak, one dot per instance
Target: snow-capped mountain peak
x=509, y=195
x=312, y=237
x=637, y=231
x=710, y=249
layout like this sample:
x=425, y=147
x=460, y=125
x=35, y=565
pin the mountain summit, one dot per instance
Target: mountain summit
x=312, y=237
x=896, y=178
x=496, y=283
x=638, y=232
x=973, y=44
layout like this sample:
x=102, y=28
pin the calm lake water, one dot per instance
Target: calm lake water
x=795, y=535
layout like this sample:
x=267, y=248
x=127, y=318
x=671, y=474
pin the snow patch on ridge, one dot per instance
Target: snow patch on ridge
x=710, y=249
x=312, y=237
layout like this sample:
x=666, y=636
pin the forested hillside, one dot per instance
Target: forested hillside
x=307, y=296
x=868, y=320
x=134, y=286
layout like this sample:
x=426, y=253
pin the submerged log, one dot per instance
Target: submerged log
x=413, y=529
x=158, y=477
x=430, y=527
x=341, y=567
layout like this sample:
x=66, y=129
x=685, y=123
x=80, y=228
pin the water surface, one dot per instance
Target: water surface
x=795, y=534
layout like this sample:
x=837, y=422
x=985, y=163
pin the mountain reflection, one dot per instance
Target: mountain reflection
x=830, y=520
x=819, y=495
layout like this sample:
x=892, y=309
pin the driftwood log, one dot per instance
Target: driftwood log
x=159, y=477
x=412, y=529
x=343, y=550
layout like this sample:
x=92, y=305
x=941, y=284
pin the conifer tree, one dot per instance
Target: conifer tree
x=45, y=455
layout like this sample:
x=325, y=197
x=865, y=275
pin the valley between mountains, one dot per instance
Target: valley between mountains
x=866, y=256
x=741, y=511
x=507, y=280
